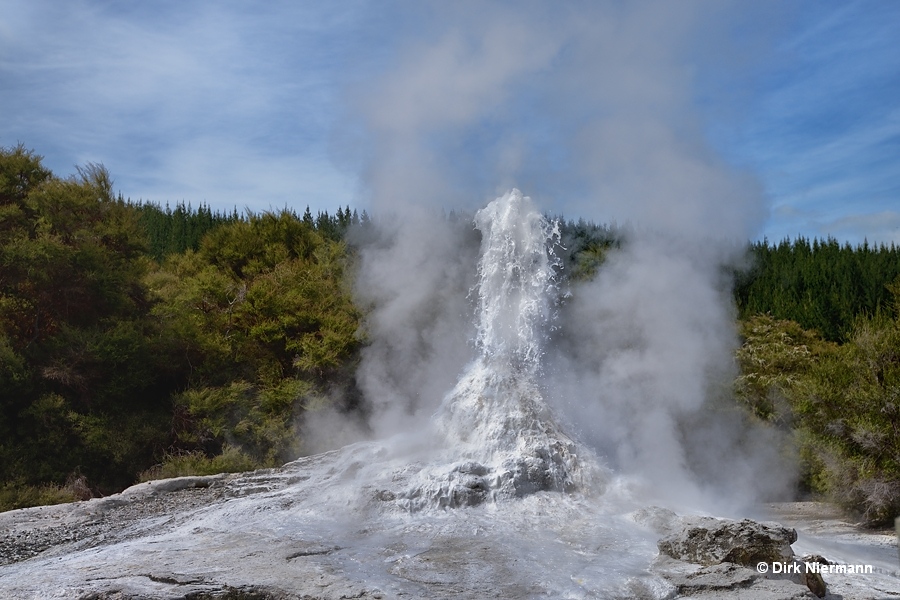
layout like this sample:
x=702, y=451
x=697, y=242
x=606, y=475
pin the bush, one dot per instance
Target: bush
x=231, y=460
x=850, y=409
x=16, y=494
x=81, y=378
x=842, y=402
x=263, y=320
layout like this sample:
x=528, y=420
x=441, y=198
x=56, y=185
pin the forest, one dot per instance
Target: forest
x=140, y=341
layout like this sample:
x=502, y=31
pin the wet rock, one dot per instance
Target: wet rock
x=716, y=578
x=661, y=520
x=727, y=580
x=458, y=491
x=546, y=468
x=709, y=541
x=385, y=495
x=718, y=543
x=814, y=582
x=471, y=468
x=301, y=539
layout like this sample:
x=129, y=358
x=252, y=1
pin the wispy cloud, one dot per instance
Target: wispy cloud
x=144, y=88
x=853, y=225
x=238, y=104
x=825, y=133
x=882, y=227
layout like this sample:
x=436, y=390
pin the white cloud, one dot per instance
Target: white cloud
x=877, y=228
x=143, y=89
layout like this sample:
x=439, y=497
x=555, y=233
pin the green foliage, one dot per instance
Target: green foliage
x=585, y=246
x=852, y=411
x=775, y=360
x=21, y=171
x=334, y=227
x=263, y=319
x=14, y=495
x=175, y=231
x=207, y=355
x=231, y=460
x=820, y=285
x=842, y=401
x=257, y=419
x=76, y=348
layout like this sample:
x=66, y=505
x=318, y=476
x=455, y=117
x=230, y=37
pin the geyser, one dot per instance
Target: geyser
x=499, y=432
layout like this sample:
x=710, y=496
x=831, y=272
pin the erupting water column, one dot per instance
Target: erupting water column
x=498, y=426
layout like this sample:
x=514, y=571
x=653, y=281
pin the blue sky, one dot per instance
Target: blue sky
x=794, y=107
x=823, y=128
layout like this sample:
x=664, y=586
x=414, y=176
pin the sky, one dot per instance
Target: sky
x=794, y=106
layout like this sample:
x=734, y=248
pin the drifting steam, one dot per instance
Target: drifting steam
x=590, y=108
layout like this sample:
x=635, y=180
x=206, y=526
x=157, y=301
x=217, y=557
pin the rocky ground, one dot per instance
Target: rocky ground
x=27, y=533
x=264, y=535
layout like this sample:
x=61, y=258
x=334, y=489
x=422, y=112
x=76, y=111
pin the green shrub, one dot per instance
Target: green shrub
x=231, y=460
x=851, y=411
x=263, y=319
x=841, y=401
x=775, y=360
x=16, y=494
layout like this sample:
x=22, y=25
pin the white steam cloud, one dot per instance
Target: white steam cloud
x=590, y=109
x=415, y=278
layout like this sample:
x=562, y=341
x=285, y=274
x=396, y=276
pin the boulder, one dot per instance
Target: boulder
x=709, y=541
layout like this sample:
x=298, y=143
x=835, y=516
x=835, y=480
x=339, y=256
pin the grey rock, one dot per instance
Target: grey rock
x=725, y=546
x=728, y=580
x=709, y=541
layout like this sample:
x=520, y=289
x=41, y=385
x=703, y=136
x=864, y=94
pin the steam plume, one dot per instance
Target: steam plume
x=590, y=109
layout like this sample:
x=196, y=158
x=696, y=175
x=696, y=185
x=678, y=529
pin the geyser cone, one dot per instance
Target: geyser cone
x=495, y=420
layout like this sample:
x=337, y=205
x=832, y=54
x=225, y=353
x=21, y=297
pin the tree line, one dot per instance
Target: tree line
x=820, y=284
x=171, y=231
